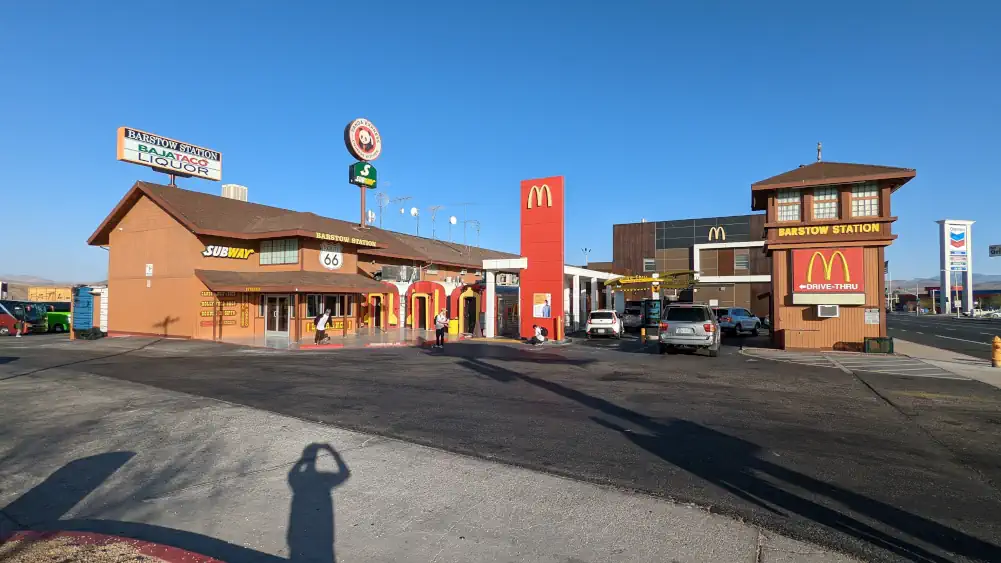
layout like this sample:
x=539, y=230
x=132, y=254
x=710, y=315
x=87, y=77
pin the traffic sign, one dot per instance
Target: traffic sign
x=995, y=250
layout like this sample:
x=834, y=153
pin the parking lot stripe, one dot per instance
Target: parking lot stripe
x=929, y=376
x=926, y=368
x=964, y=340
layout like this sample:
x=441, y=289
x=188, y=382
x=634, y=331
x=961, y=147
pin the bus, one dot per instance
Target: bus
x=33, y=315
x=58, y=317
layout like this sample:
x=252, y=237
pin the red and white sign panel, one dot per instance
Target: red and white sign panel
x=363, y=140
x=828, y=270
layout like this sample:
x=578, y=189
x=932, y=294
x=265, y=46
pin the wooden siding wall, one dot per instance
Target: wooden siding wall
x=797, y=326
x=631, y=243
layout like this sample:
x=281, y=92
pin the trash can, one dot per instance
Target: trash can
x=453, y=326
x=878, y=345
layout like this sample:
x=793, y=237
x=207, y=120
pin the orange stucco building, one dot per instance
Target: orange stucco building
x=195, y=265
x=826, y=230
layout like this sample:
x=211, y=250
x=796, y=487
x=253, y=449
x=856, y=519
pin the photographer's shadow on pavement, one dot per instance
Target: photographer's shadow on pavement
x=311, y=519
x=310, y=532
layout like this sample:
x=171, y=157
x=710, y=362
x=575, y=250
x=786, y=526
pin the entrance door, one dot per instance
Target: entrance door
x=469, y=312
x=421, y=312
x=376, y=308
x=276, y=317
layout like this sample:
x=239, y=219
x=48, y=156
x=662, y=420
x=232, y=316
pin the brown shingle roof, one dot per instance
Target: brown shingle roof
x=219, y=280
x=441, y=252
x=208, y=214
x=821, y=173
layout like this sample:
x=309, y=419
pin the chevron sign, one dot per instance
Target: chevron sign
x=957, y=237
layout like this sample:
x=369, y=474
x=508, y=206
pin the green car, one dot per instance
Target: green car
x=58, y=321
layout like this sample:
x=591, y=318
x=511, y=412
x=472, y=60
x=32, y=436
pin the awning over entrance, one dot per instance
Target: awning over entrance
x=288, y=282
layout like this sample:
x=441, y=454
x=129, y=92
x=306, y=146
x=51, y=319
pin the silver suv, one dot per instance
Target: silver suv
x=689, y=325
x=736, y=320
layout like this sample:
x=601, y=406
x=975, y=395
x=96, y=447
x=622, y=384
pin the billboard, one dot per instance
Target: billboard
x=828, y=271
x=168, y=155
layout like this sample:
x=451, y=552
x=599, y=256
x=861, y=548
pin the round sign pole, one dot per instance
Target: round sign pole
x=362, y=222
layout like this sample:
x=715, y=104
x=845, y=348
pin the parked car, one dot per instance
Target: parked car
x=632, y=317
x=735, y=320
x=603, y=322
x=690, y=326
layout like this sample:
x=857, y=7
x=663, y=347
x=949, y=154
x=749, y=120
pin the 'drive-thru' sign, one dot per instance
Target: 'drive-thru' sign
x=168, y=155
x=828, y=270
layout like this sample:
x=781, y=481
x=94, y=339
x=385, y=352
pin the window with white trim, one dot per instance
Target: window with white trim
x=865, y=200
x=649, y=265
x=788, y=203
x=825, y=203
x=279, y=251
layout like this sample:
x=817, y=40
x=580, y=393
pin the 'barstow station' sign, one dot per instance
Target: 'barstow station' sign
x=168, y=155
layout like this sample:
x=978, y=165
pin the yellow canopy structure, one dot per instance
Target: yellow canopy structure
x=679, y=279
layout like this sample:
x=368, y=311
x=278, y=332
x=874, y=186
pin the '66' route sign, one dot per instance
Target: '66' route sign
x=363, y=140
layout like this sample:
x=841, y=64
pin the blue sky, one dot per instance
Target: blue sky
x=644, y=106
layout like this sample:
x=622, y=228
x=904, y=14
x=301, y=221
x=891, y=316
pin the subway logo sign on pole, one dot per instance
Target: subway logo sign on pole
x=362, y=174
x=168, y=155
x=828, y=270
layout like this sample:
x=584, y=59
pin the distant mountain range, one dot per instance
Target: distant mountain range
x=980, y=281
x=35, y=280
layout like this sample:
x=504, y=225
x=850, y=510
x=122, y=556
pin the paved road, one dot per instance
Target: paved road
x=886, y=467
x=966, y=336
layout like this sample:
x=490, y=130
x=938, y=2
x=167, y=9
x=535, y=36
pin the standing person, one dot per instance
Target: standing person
x=321, y=326
x=440, y=326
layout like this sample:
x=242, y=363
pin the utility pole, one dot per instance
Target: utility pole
x=586, y=251
x=434, y=211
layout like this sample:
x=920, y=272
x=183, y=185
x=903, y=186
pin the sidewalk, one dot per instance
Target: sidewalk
x=89, y=454
x=953, y=362
x=364, y=338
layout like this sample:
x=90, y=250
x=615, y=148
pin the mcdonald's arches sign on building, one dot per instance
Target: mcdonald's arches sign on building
x=828, y=271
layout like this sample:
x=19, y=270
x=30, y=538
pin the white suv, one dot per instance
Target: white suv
x=603, y=322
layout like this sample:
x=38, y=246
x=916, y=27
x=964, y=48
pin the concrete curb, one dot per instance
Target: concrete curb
x=166, y=553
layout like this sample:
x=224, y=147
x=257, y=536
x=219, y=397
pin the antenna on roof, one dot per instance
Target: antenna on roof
x=451, y=221
x=820, y=147
x=434, y=211
x=476, y=224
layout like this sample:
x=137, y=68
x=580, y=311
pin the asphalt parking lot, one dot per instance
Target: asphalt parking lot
x=886, y=467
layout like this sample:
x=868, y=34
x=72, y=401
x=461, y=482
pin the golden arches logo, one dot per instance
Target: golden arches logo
x=537, y=192
x=828, y=266
x=717, y=233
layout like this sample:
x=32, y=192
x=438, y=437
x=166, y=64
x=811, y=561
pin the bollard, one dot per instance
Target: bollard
x=642, y=335
x=996, y=352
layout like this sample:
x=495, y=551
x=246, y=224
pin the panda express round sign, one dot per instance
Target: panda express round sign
x=363, y=140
